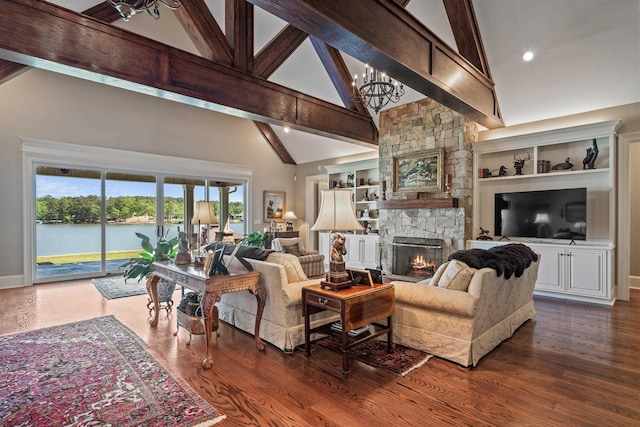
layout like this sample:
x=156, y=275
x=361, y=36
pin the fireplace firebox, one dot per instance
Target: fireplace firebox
x=416, y=257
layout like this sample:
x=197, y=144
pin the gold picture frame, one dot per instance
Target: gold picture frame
x=419, y=172
x=275, y=205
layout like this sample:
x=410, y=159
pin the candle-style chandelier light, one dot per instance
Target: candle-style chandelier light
x=377, y=89
x=128, y=8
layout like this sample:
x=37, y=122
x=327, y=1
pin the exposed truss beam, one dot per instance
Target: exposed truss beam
x=273, y=140
x=274, y=53
x=466, y=33
x=41, y=34
x=102, y=11
x=338, y=73
x=202, y=28
x=410, y=53
x=239, y=29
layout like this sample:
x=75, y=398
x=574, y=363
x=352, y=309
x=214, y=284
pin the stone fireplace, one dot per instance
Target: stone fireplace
x=416, y=257
x=411, y=129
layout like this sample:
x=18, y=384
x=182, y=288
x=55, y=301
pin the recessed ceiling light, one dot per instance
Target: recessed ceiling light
x=286, y=129
x=528, y=56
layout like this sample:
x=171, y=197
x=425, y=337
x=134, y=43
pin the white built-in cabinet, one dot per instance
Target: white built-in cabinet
x=578, y=272
x=363, y=180
x=581, y=271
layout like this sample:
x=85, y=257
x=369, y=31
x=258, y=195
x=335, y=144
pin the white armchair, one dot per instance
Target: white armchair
x=312, y=261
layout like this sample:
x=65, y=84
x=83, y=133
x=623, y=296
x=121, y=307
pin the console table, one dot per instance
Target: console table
x=213, y=287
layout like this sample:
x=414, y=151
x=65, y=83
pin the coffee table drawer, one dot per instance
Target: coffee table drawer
x=322, y=301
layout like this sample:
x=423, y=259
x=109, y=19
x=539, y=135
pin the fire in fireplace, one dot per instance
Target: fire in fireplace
x=416, y=257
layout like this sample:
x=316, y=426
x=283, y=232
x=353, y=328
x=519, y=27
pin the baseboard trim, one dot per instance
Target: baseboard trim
x=7, y=282
x=634, y=282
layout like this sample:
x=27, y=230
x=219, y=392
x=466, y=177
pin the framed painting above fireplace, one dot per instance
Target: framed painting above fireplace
x=419, y=172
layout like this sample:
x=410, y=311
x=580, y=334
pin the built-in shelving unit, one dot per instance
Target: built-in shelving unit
x=563, y=262
x=363, y=179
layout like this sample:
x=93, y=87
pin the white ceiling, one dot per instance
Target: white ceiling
x=587, y=57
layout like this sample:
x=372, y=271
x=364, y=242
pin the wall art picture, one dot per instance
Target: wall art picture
x=419, y=172
x=274, y=205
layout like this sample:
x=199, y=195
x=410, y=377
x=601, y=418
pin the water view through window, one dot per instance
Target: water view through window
x=71, y=220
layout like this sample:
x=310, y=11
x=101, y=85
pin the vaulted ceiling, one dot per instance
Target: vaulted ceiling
x=292, y=60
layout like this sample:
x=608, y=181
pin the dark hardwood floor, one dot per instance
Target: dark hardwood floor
x=575, y=364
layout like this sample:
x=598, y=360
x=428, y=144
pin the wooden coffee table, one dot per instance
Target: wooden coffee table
x=358, y=306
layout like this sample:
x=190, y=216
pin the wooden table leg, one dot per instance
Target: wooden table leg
x=345, y=352
x=261, y=295
x=210, y=324
x=390, y=334
x=152, y=290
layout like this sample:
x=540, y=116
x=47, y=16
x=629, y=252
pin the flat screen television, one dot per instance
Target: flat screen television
x=547, y=214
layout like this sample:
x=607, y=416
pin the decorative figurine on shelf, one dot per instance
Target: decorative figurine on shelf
x=365, y=196
x=519, y=162
x=183, y=256
x=502, y=171
x=484, y=234
x=350, y=180
x=563, y=166
x=592, y=154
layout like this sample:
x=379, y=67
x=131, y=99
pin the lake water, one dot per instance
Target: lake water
x=61, y=239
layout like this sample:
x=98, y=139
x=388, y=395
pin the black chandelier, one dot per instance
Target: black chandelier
x=127, y=9
x=377, y=90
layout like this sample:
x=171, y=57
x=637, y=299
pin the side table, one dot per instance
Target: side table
x=358, y=306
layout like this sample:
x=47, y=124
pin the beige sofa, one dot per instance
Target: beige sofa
x=463, y=324
x=282, y=322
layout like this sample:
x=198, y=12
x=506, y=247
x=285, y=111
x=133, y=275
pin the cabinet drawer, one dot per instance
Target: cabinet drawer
x=322, y=301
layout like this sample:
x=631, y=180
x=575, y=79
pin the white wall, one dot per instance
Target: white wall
x=43, y=105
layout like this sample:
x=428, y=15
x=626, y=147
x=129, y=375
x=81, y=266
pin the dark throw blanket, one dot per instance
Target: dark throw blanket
x=509, y=259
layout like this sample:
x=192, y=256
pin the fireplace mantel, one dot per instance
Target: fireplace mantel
x=419, y=203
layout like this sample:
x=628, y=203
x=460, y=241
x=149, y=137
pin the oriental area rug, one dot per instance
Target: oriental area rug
x=92, y=372
x=115, y=287
x=401, y=360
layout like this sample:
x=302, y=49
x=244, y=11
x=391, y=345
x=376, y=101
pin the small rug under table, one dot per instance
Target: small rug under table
x=401, y=360
x=115, y=287
x=92, y=372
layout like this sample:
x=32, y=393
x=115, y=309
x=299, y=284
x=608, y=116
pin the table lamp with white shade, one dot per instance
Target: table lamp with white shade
x=336, y=215
x=289, y=216
x=203, y=214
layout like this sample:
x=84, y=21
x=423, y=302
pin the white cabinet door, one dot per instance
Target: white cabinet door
x=353, y=251
x=324, y=243
x=587, y=272
x=550, y=270
x=369, y=248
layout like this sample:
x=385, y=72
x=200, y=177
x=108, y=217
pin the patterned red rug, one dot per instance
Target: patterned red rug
x=93, y=372
x=401, y=360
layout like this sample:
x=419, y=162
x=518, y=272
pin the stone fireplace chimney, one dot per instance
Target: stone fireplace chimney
x=412, y=129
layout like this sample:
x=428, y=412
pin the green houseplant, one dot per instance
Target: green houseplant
x=257, y=239
x=142, y=267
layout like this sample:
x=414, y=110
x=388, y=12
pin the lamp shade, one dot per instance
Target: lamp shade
x=336, y=212
x=203, y=214
x=290, y=215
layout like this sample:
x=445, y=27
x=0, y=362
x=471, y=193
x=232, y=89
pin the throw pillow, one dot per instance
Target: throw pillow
x=291, y=265
x=456, y=276
x=438, y=274
x=292, y=249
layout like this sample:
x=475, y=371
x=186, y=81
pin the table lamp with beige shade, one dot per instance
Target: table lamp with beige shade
x=289, y=216
x=203, y=214
x=337, y=215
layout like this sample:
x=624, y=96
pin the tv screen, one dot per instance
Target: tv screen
x=548, y=214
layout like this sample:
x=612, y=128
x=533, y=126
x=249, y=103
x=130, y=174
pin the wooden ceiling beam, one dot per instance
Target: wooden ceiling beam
x=275, y=142
x=279, y=48
x=203, y=30
x=339, y=74
x=102, y=11
x=43, y=35
x=239, y=29
x=410, y=53
x=465, y=30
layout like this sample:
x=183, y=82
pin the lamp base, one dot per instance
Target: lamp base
x=336, y=286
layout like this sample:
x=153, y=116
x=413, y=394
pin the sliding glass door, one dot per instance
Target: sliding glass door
x=87, y=220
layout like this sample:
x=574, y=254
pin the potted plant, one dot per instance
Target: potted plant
x=142, y=267
x=257, y=239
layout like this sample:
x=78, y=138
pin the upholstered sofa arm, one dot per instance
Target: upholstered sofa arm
x=292, y=292
x=306, y=252
x=435, y=298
